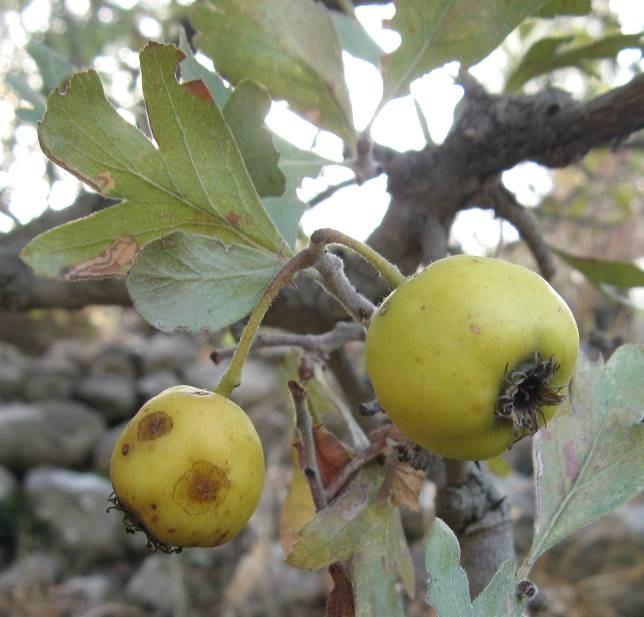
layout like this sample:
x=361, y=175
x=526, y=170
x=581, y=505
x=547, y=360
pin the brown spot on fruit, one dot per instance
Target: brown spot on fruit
x=475, y=329
x=153, y=506
x=171, y=530
x=202, y=488
x=154, y=425
x=113, y=261
x=125, y=449
x=154, y=518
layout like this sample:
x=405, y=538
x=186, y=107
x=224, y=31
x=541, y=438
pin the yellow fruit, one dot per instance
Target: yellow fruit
x=470, y=355
x=189, y=467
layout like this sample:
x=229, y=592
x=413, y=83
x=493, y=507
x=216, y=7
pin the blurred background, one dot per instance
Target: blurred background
x=69, y=380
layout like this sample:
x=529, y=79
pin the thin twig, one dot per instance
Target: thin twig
x=374, y=450
x=334, y=280
x=504, y=204
x=305, y=428
x=330, y=191
x=343, y=332
x=422, y=120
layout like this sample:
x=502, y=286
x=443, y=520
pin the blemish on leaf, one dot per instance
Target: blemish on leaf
x=313, y=115
x=154, y=425
x=233, y=218
x=113, y=261
x=105, y=182
x=572, y=462
x=475, y=329
x=202, y=488
x=199, y=89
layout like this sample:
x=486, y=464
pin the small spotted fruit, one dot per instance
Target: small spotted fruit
x=189, y=468
x=470, y=355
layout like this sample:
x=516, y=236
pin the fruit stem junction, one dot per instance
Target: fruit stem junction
x=306, y=258
x=525, y=389
x=387, y=270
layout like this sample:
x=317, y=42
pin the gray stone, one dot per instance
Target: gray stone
x=57, y=433
x=13, y=369
x=153, y=584
x=202, y=373
x=153, y=384
x=259, y=382
x=73, y=506
x=37, y=568
x=168, y=351
x=80, y=593
x=115, y=360
x=51, y=378
x=102, y=453
x=8, y=485
x=114, y=395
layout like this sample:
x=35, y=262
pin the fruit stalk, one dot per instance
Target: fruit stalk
x=387, y=270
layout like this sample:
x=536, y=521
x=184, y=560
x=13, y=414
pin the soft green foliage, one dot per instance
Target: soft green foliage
x=590, y=458
x=53, y=68
x=361, y=526
x=244, y=113
x=565, y=7
x=355, y=39
x=296, y=165
x=604, y=272
x=448, y=586
x=194, y=283
x=191, y=70
x=436, y=32
x=195, y=180
x=289, y=46
x=551, y=53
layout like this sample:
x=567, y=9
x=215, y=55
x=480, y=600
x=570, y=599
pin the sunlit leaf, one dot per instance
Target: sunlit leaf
x=289, y=46
x=437, y=32
x=590, y=458
x=551, y=53
x=565, y=7
x=245, y=112
x=192, y=70
x=194, y=181
x=355, y=39
x=195, y=283
x=602, y=271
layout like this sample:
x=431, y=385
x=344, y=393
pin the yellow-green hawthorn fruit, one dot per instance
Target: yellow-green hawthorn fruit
x=471, y=354
x=189, y=467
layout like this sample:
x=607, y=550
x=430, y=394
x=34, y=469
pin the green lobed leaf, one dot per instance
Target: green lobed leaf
x=437, y=32
x=53, y=67
x=565, y=7
x=245, y=112
x=499, y=598
x=355, y=39
x=192, y=70
x=289, y=46
x=296, y=165
x=336, y=532
x=449, y=588
x=599, y=272
x=374, y=588
x=195, y=180
x=590, y=458
x=551, y=53
x=449, y=591
x=193, y=282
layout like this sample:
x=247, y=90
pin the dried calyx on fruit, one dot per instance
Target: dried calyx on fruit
x=188, y=469
x=471, y=354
